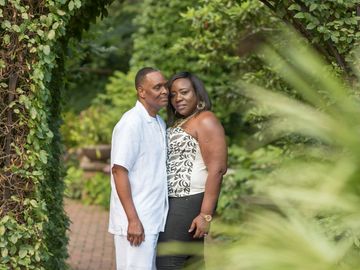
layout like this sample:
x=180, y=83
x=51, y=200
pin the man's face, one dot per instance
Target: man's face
x=153, y=91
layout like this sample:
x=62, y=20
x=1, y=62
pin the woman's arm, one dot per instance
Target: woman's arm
x=211, y=138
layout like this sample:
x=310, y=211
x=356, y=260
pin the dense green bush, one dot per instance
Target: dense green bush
x=247, y=170
x=104, y=48
x=314, y=219
x=74, y=182
x=90, y=190
x=94, y=125
x=97, y=190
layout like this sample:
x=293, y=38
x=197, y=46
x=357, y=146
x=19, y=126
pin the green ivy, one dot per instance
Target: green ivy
x=32, y=220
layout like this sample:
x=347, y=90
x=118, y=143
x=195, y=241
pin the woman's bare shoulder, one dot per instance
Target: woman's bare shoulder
x=208, y=120
x=207, y=116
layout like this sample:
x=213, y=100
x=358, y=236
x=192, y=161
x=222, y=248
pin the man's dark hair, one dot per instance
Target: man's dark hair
x=140, y=75
x=200, y=91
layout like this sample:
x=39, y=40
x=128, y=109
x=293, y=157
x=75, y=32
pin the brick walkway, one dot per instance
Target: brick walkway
x=91, y=247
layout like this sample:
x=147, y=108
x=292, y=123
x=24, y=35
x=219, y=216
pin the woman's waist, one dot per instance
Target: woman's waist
x=199, y=194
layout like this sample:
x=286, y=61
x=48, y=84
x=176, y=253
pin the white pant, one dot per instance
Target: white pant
x=135, y=258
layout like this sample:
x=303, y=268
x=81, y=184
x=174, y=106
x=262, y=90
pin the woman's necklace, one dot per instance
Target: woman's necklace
x=182, y=121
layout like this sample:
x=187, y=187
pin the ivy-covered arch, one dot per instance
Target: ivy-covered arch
x=33, y=37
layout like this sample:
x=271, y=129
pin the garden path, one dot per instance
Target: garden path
x=91, y=247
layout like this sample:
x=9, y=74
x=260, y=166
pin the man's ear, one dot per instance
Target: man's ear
x=141, y=92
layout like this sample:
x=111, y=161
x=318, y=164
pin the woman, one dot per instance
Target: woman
x=196, y=162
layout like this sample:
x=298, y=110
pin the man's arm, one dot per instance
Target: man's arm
x=135, y=233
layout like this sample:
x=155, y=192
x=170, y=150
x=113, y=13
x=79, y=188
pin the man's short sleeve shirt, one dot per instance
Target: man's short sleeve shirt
x=139, y=145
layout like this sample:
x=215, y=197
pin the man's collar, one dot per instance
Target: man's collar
x=140, y=107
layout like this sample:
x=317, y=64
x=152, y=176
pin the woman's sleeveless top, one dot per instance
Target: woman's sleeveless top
x=186, y=169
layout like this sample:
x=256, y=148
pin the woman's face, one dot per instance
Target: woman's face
x=183, y=97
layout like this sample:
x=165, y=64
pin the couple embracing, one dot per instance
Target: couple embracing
x=165, y=183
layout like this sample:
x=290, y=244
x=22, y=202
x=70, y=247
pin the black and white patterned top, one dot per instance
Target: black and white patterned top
x=186, y=170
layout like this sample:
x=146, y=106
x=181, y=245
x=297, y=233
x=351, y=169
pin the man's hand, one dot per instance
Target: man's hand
x=135, y=233
x=201, y=225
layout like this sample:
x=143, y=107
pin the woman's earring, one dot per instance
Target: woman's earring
x=200, y=106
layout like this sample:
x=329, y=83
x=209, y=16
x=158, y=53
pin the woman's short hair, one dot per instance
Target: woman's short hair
x=200, y=92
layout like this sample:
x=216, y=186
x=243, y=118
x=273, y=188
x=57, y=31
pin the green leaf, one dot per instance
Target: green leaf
x=6, y=39
x=12, y=249
x=5, y=219
x=311, y=26
x=33, y=203
x=25, y=16
x=71, y=5
x=55, y=25
x=294, y=7
x=61, y=12
x=37, y=173
x=2, y=2
x=33, y=113
x=13, y=238
x=22, y=252
x=78, y=3
x=40, y=32
x=334, y=38
x=4, y=252
x=37, y=257
x=299, y=15
x=46, y=49
x=313, y=6
x=6, y=24
x=43, y=156
x=2, y=230
x=51, y=34
x=50, y=134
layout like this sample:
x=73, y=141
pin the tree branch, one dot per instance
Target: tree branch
x=358, y=14
x=12, y=86
x=328, y=49
x=266, y=3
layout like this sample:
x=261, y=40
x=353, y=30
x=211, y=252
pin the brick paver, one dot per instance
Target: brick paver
x=91, y=247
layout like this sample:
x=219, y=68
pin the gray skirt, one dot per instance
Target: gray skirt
x=182, y=211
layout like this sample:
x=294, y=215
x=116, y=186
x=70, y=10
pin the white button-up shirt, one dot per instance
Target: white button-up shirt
x=139, y=145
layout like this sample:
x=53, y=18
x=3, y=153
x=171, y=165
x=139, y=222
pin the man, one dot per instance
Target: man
x=139, y=205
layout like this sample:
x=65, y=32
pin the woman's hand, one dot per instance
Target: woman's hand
x=201, y=227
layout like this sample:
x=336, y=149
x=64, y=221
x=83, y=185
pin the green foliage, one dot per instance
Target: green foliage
x=314, y=219
x=331, y=26
x=33, y=222
x=94, y=125
x=91, y=190
x=156, y=36
x=120, y=94
x=103, y=49
x=97, y=190
x=74, y=182
x=91, y=127
x=247, y=170
x=208, y=38
x=17, y=248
